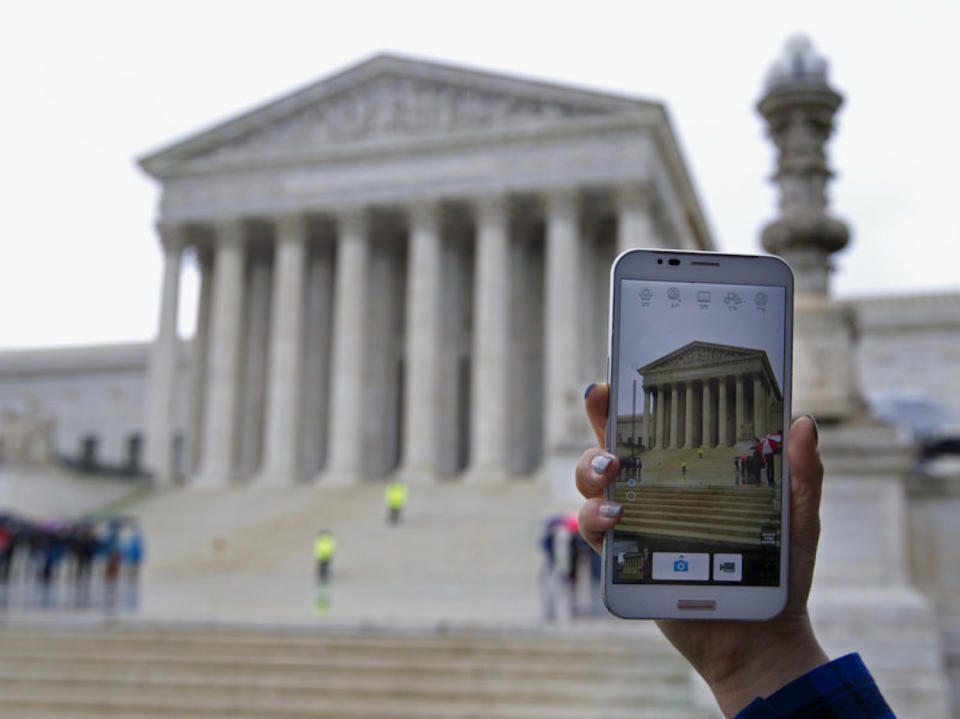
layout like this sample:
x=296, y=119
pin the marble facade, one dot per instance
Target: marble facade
x=389, y=256
x=709, y=395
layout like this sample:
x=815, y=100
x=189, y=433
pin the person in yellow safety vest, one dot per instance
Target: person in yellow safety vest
x=324, y=547
x=396, y=497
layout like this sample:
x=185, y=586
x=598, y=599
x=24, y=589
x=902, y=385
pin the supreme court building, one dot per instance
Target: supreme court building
x=709, y=395
x=403, y=268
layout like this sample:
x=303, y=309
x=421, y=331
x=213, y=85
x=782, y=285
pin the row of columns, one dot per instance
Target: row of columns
x=214, y=415
x=710, y=427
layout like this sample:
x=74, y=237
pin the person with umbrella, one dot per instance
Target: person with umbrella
x=768, y=447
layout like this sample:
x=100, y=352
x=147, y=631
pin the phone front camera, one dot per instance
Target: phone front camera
x=659, y=262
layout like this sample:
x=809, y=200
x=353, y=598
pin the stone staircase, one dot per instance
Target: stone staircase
x=713, y=468
x=154, y=671
x=733, y=515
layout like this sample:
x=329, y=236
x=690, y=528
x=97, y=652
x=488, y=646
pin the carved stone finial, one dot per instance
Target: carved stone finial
x=797, y=64
x=799, y=105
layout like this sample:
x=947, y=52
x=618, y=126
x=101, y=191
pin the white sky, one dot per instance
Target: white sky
x=90, y=86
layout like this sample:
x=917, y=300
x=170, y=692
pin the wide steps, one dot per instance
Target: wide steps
x=726, y=515
x=714, y=493
x=24, y=704
x=684, y=530
x=730, y=518
x=356, y=674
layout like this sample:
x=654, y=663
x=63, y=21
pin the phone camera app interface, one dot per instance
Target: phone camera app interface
x=699, y=433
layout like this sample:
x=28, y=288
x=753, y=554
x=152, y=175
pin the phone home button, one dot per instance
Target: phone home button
x=700, y=604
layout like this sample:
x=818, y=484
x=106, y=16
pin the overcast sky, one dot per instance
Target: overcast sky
x=90, y=86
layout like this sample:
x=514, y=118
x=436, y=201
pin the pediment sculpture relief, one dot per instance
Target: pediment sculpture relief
x=700, y=354
x=393, y=106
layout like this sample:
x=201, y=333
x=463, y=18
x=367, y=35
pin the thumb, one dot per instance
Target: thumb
x=806, y=482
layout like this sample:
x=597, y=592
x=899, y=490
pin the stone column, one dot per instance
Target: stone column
x=759, y=407
x=563, y=402
x=688, y=419
x=163, y=365
x=706, y=440
x=740, y=409
x=723, y=439
x=634, y=221
x=647, y=430
x=424, y=312
x=491, y=341
x=199, y=360
x=220, y=416
x=318, y=334
x=253, y=371
x=349, y=342
x=281, y=434
x=674, y=415
x=661, y=417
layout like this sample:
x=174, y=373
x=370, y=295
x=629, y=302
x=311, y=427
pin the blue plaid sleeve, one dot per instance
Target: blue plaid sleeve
x=842, y=689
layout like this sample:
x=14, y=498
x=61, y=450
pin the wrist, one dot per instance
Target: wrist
x=787, y=653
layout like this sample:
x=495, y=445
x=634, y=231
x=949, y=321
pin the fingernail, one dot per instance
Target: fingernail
x=816, y=427
x=589, y=387
x=600, y=463
x=610, y=509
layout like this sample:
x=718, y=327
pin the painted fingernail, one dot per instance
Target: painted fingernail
x=610, y=509
x=589, y=387
x=600, y=463
x=816, y=428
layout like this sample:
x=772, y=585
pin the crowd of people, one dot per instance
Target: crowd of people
x=82, y=563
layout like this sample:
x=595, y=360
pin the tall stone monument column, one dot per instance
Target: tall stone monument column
x=223, y=372
x=862, y=599
x=799, y=106
x=491, y=341
x=199, y=359
x=163, y=362
x=563, y=408
x=424, y=307
x=254, y=342
x=286, y=328
x=349, y=343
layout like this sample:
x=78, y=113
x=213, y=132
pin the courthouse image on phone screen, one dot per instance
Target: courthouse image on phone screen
x=699, y=432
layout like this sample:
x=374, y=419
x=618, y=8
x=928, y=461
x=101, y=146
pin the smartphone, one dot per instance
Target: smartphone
x=699, y=370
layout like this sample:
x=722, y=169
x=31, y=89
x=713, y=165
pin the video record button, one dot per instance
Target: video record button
x=728, y=567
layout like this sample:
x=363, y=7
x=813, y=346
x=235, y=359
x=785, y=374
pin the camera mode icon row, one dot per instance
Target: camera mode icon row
x=695, y=567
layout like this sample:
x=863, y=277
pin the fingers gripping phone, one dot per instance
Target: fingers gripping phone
x=699, y=372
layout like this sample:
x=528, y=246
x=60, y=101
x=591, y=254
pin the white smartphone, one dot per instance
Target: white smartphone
x=699, y=370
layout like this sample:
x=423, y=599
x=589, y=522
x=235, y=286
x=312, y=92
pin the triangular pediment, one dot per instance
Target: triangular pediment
x=701, y=354
x=385, y=99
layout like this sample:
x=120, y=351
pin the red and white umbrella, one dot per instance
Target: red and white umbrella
x=770, y=443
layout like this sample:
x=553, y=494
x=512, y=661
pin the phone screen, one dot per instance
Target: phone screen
x=699, y=432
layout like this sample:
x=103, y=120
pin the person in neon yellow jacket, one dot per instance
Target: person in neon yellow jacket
x=324, y=547
x=396, y=496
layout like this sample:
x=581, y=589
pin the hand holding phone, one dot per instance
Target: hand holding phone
x=699, y=373
x=739, y=660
